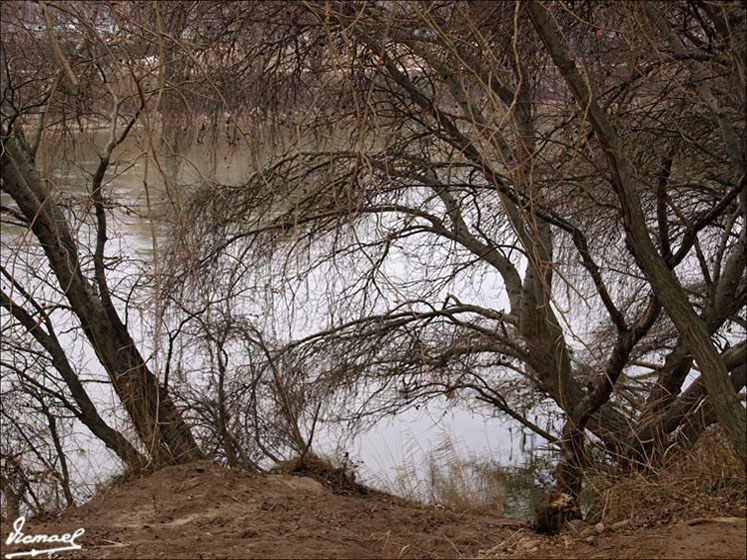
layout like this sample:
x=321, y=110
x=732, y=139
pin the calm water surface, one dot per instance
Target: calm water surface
x=142, y=187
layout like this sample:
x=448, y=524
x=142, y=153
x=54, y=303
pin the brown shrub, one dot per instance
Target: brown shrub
x=708, y=480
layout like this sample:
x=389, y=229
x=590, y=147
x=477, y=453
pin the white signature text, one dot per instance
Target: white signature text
x=18, y=537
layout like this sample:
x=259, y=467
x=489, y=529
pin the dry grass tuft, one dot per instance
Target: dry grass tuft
x=339, y=479
x=706, y=481
x=454, y=479
x=467, y=485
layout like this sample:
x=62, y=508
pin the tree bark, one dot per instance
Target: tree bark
x=156, y=419
x=664, y=282
x=86, y=411
x=656, y=429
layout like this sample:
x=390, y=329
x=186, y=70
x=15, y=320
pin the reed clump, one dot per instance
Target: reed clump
x=707, y=480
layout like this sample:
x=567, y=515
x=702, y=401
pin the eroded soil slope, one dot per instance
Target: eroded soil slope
x=204, y=511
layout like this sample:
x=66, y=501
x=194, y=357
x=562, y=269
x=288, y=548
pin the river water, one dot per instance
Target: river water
x=398, y=453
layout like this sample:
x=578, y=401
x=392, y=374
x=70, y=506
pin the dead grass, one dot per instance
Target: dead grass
x=336, y=476
x=467, y=486
x=454, y=479
x=708, y=480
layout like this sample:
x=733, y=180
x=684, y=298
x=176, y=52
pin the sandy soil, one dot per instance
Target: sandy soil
x=204, y=511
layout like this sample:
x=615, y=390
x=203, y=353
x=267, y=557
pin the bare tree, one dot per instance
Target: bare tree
x=47, y=85
x=580, y=156
x=519, y=205
x=655, y=266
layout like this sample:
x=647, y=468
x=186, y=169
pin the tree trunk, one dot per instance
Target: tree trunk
x=158, y=423
x=570, y=470
x=86, y=411
x=664, y=282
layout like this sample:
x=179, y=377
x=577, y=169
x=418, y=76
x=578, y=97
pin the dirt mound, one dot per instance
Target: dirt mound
x=202, y=510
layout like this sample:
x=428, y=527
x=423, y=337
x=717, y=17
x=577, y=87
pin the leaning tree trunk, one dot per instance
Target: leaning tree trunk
x=664, y=283
x=156, y=419
x=86, y=411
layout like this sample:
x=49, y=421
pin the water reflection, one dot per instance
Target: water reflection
x=143, y=185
